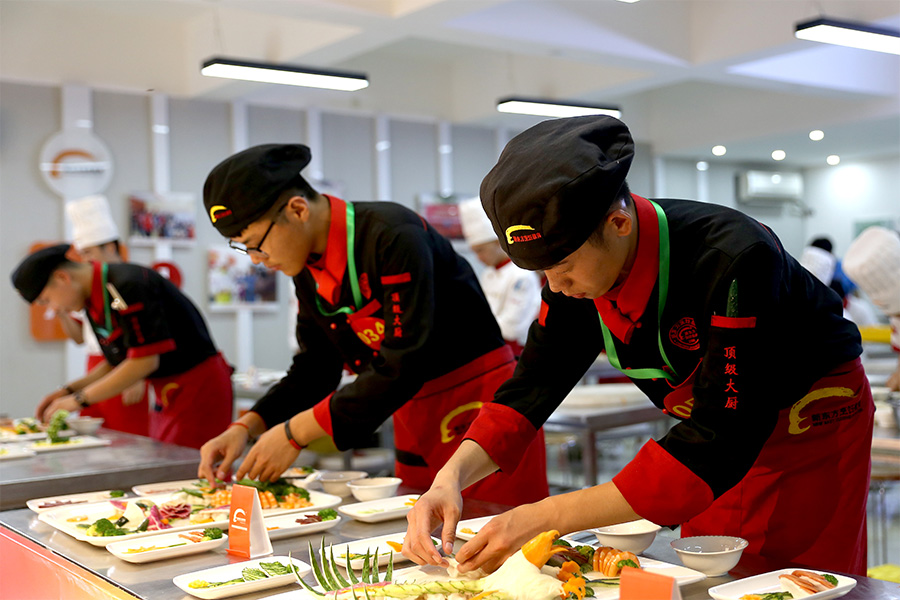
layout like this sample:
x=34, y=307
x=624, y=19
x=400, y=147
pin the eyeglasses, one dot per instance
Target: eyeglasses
x=257, y=250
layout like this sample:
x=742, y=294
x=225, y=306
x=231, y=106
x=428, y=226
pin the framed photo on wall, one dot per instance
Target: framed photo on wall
x=234, y=281
x=170, y=217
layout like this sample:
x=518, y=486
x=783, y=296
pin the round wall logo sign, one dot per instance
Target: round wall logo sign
x=76, y=163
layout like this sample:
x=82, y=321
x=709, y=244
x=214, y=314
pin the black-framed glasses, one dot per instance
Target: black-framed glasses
x=257, y=250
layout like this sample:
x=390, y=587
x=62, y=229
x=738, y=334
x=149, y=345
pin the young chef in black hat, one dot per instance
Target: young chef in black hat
x=702, y=307
x=383, y=293
x=147, y=329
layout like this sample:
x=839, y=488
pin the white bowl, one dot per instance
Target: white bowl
x=712, y=555
x=375, y=488
x=85, y=425
x=335, y=482
x=633, y=536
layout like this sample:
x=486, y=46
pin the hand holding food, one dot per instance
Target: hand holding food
x=440, y=504
x=270, y=456
x=499, y=538
x=224, y=448
x=47, y=401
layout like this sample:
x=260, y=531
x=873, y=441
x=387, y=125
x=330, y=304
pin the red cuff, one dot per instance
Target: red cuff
x=322, y=414
x=503, y=433
x=661, y=489
x=151, y=349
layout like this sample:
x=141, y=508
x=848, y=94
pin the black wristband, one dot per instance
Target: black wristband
x=81, y=399
x=290, y=436
x=69, y=389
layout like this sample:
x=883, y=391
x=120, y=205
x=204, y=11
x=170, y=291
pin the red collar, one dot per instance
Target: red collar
x=503, y=263
x=622, y=307
x=329, y=270
x=94, y=303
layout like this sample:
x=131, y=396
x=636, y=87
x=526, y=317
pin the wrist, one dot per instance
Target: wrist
x=81, y=399
x=241, y=425
x=290, y=436
x=68, y=389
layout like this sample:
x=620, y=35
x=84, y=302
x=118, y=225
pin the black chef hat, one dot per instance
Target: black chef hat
x=553, y=184
x=241, y=188
x=34, y=272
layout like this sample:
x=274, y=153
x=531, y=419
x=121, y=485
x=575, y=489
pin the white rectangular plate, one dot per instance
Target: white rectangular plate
x=71, y=499
x=233, y=571
x=768, y=582
x=120, y=549
x=58, y=518
x=472, y=526
x=375, y=511
x=375, y=544
x=76, y=442
x=13, y=452
x=6, y=436
x=164, y=487
x=283, y=526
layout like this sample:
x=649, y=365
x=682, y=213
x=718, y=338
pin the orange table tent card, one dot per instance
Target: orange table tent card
x=247, y=535
x=637, y=584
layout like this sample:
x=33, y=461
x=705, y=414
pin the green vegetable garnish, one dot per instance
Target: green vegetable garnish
x=561, y=542
x=275, y=568
x=279, y=488
x=328, y=514
x=212, y=533
x=191, y=492
x=57, y=424
x=830, y=578
x=116, y=493
x=626, y=563
x=251, y=574
x=104, y=528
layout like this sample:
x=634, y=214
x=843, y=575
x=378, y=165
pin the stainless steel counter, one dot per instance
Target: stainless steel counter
x=129, y=460
x=153, y=581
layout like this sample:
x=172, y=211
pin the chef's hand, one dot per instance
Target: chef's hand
x=893, y=382
x=440, y=504
x=47, y=401
x=499, y=539
x=225, y=447
x=270, y=456
x=133, y=393
x=66, y=402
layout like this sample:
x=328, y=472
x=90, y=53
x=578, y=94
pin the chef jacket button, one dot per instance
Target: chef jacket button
x=357, y=362
x=375, y=353
x=334, y=325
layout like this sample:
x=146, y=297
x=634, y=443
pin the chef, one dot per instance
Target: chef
x=513, y=293
x=383, y=293
x=704, y=310
x=147, y=329
x=95, y=237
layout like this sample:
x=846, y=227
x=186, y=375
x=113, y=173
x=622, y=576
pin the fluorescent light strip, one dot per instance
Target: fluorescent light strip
x=549, y=108
x=853, y=35
x=283, y=74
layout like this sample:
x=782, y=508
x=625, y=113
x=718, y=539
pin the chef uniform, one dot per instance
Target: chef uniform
x=775, y=413
x=135, y=312
x=392, y=301
x=513, y=293
x=93, y=225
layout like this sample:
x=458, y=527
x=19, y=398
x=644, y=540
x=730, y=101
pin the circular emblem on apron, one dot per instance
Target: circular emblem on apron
x=684, y=334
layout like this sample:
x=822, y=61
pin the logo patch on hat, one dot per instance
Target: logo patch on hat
x=525, y=237
x=684, y=334
x=218, y=212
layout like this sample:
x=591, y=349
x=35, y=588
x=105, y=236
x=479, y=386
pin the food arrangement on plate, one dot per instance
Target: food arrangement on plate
x=29, y=429
x=170, y=545
x=40, y=505
x=380, y=550
x=282, y=526
x=527, y=574
x=242, y=578
x=375, y=511
x=786, y=584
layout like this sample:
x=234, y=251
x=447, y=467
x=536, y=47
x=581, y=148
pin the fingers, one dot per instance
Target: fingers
x=417, y=545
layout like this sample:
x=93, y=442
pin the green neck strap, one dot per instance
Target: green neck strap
x=663, y=293
x=351, y=266
x=106, y=310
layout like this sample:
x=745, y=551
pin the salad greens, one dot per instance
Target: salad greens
x=328, y=514
x=265, y=570
x=104, y=528
x=57, y=424
x=280, y=488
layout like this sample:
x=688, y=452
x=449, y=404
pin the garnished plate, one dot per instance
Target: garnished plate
x=385, y=509
x=235, y=571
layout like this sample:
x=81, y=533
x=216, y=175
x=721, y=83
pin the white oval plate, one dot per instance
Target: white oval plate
x=283, y=526
x=375, y=544
x=120, y=549
x=768, y=582
x=233, y=571
x=71, y=500
x=473, y=525
x=375, y=511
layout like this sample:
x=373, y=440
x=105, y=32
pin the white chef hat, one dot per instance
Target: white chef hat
x=873, y=263
x=819, y=262
x=476, y=226
x=92, y=222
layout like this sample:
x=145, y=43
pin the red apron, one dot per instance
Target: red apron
x=195, y=406
x=804, y=499
x=429, y=428
x=133, y=418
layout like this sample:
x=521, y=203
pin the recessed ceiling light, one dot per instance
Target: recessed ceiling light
x=779, y=155
x=719, y=150
x=816, y=135
x=702, y=166
x=833, y=160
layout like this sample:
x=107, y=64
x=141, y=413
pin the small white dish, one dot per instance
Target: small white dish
x=76, y=442
x=768, y=582
x=376, y=511
x=40, y=505
x=713, y=555
x=10, y=452
x=85, y=425
x=371, y=545
x=335, y=482
x=374, y=488
x=282, y=526
x=169, y=545
x=233, y=571
x=466, y=530
x=633, y=536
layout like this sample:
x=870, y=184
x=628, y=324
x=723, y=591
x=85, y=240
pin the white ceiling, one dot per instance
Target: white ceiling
x=687, y=74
